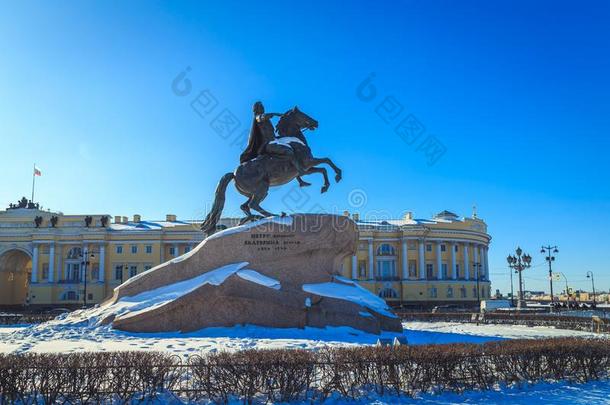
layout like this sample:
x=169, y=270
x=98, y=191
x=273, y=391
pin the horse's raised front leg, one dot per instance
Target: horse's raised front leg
x=338, y=172
x=322, y=170
x=303, y=183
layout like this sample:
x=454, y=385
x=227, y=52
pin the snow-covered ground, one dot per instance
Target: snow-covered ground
x=56, y=336
x=493, y=330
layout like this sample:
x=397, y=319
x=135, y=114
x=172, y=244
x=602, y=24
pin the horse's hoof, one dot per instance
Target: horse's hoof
x=324, y=189
x=338, y=178
x=245, y=219
x=304, y=184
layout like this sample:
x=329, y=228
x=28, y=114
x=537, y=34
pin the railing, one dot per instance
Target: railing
x=20, y=319
x=387, y=278
x=69, y=281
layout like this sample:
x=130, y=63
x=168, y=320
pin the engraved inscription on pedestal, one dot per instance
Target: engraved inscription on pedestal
x=275, y=242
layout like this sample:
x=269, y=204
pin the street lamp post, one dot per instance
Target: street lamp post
x=519, y=263
x=590, y=275
x=85, y=261
x=512, y=293
x=549, y=251
x=567, y=288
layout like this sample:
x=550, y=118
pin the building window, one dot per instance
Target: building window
x=95, y=271
x=457, y=270
x=133, y=270
x=474, y=291
x=187, y=249
x=483, y=292
x=172, y=251
x=73, y=272
x=455, y=248
x=412, y=268
x=147, y=267
x=432, y=293
x=75, y=253
x=386, y=269
x=463, y=292
x=429, y=270
x=444, y=270
x=119, y=249
x=428, y=248
x=362, y=268
x=450, y=292
x=70, y=296
x=443, y=248
x=386, y=250
x=45, y=271
x=118, y=272
x=134, y=249
x=411, y=245
x=148, y=249
x=388, y=293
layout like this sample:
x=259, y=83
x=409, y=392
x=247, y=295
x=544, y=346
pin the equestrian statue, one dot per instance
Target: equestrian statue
x=270, y=161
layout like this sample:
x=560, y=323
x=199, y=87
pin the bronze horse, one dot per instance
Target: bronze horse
x=254, y=177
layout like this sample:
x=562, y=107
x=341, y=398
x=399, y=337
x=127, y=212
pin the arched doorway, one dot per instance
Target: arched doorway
x=15, y=269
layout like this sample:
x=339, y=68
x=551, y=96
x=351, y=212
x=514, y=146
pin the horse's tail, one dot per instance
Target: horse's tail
x=209, y=224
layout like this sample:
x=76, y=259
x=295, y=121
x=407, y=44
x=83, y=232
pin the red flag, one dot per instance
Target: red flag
x=37, y=171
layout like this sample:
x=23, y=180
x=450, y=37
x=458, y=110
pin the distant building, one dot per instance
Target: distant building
x=422, y=262
x=42, y=253
x=407, y=261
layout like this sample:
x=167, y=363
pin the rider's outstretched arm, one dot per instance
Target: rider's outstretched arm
x=267, y=116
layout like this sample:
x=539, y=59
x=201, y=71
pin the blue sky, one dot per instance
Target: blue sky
x=515, y=92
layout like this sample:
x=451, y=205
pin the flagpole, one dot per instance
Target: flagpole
x=33, y=181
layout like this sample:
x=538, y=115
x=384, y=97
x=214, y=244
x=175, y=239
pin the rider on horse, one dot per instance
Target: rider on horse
x=270, y=162
x=260, y=141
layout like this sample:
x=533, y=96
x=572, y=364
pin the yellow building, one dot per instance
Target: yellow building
x=423, y=262
x=45, y=256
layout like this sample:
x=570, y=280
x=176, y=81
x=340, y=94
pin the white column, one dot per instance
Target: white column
x=84, y=267
x=439, y=261
x=35, y=264
x=486, y=255
x=371, y=261
x=176, y=250
x=405, y=260
x=354, y=267
x=161, y=252
x=51, y=262
x=421, y=260
x=482, y=258
x=102, y=273
x=454, y=274
x=476, y=270
x=466, y=262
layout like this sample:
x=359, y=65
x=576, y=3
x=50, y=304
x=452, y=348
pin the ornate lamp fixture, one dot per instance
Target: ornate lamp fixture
x=519, y=263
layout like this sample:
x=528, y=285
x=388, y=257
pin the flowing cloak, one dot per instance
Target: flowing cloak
x=255, y=143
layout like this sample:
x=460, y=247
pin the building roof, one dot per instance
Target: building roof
x=146, y=225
